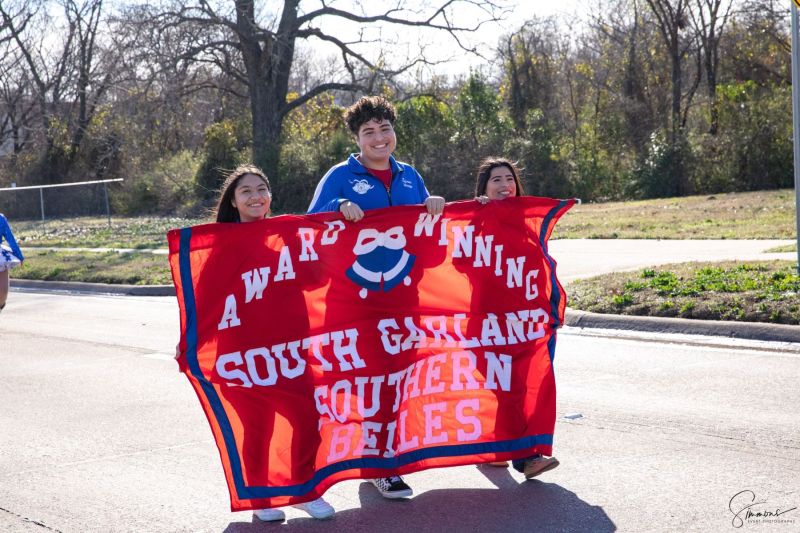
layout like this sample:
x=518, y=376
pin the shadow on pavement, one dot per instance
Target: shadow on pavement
x=513, y=506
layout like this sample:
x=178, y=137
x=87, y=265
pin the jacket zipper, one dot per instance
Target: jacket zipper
x=387, y=188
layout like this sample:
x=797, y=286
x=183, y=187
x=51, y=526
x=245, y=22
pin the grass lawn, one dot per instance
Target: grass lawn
x=106, y=267
x=753, y=291
x=782, y=249
x=751, y=215
x=86, y=232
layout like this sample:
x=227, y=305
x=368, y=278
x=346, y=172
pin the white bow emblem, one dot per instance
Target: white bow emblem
x=361, y=186
x=369, y=239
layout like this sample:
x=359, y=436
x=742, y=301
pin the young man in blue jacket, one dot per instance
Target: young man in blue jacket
x=369, y=180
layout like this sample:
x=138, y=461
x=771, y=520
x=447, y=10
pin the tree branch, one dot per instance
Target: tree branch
x=319, y=89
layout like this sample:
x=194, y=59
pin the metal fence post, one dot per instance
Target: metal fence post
x=41, y=202
x=108, y=208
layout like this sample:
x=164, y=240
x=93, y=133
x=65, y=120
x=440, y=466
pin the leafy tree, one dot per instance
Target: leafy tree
x=221, y=156
x=536, y=149
x=425, y=131
x=314, y=140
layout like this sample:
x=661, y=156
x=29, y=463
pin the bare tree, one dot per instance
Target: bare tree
x=47, y=69
x=90, y=85
x=672, y=17
x=709, y=23
x=265, y=50
x=168, y=92
x=624, y=41
x=67, y=77
x=758, y=43
x=16, y=106
x=532, y=56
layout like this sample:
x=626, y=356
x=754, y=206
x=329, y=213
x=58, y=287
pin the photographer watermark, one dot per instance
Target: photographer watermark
x=748, y=509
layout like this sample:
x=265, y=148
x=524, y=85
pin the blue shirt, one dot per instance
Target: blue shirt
x=5, y=233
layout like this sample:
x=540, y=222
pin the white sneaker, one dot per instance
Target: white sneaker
x=269, y=515
x=319, y=509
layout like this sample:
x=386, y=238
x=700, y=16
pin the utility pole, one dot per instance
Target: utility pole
x=796, y=122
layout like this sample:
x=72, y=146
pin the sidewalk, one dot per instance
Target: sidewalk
x=584, y=258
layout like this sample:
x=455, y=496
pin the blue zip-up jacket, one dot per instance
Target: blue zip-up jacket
x=5, y=233
x=350, y=180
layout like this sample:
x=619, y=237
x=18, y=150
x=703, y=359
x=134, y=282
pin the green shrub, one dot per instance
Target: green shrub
x=167, y=187
x=220, y=157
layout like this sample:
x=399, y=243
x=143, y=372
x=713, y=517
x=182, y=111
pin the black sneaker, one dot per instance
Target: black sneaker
x=392, y=487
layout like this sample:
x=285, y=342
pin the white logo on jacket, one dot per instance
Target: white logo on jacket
x=361, y=186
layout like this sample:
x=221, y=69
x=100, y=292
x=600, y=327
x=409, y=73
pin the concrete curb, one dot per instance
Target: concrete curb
x=685, y=326
x=573, y=318
x=95, y=288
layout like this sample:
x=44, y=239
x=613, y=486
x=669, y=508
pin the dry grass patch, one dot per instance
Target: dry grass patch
x=751, y=215
x=107, y=267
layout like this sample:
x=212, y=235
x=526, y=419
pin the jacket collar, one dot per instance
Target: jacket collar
x=356, y=167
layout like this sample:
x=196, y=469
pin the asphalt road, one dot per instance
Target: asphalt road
x=99, y=432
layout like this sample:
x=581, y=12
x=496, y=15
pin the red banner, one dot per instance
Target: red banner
x=322, y=350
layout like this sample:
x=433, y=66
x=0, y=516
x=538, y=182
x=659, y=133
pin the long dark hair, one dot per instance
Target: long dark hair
x=225, y=210
x=485, y=169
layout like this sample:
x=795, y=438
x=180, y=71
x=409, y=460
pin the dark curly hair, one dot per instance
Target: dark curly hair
x=368, y=108
x=485, y=169
x=225, y=211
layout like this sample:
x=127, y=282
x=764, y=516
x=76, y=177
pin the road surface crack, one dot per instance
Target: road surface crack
x=30, y=520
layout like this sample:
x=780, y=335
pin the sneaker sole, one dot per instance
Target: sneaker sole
x=397, y=494
x=321, y=517
x=543, y=470
x=276, y=519
x=317, y=516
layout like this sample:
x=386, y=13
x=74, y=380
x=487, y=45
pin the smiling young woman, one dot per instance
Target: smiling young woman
x=497, y=179
x=245, y=196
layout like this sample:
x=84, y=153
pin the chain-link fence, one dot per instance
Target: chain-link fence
x=59, y=200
